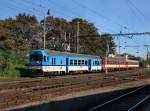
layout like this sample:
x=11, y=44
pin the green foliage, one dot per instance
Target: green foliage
x=10, y=61
x=57, y=27
x=9, y=44
x=130, y=56
x=24, y=31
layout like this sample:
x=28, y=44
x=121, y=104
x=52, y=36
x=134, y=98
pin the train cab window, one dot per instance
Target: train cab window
x=71, y=62
x=86, y=62
x=36, y=57
x=44, y=58
x=79, y=62
x=75, y=62
x=82, y=62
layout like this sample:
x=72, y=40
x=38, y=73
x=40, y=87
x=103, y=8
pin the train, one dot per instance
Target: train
x=57, y=62
x=119, y=63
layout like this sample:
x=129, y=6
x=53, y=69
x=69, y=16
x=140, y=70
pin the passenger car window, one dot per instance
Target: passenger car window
x=54, y=60
x=75, y=62
x=83, y=62
x=71, y=62
x=47, y=59
x=61, y=61
x=86, y=62
x=79, y=62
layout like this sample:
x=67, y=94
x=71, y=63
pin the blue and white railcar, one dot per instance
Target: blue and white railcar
x=48, y=61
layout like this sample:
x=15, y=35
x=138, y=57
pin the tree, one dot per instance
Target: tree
x=24, y=30
x=86, y=28
x=19, y=31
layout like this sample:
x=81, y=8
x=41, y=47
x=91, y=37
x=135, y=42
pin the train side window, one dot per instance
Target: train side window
x=86, y=62
x=75, y=62
x=54, y=60
x=47, y=59
x=71, y=62
x=98, y=63
x=61, y=61
x=83, y=62
x=79, y=62
x=95, y=62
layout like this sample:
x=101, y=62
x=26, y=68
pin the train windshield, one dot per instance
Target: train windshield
x=36, y=57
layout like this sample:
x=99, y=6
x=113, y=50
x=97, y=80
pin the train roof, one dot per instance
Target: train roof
x=59, y=53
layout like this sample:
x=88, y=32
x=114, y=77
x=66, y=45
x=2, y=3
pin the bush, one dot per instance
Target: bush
x=10, y=61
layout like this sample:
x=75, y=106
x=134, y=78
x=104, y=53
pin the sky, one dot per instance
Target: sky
x=109, y=16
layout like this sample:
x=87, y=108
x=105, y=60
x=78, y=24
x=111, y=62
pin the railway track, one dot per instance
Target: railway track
x=29, y=79
x=34, y=82
x=42, y=89
x=129, y=101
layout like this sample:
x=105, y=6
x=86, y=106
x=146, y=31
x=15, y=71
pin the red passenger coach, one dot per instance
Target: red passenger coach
x=132, y=64
x=119, y=63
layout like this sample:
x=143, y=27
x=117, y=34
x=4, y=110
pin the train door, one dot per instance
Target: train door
x=67, y=60
x=89, y=65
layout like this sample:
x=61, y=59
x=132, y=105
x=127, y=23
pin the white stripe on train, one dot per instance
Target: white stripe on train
x=63, y=68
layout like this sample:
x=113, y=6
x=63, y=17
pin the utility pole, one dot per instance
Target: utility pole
x=44, y=30
x=48, y=13
x=77, y=45
x=65, y=45
x=107, y=52
x=119, y=53
x=69, y=43
x=147, y=51
x=125, y=44
x=147, y=47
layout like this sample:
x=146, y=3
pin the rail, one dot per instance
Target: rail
x=101, y=106
x=139, y=103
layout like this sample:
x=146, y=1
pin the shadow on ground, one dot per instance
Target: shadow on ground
x=25, y=72
x=76, y=104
